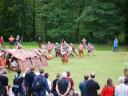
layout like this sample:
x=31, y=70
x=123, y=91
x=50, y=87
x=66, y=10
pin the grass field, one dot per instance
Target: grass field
x=105, y=64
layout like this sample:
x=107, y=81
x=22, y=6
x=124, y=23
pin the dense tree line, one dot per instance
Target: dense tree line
x=100, y=21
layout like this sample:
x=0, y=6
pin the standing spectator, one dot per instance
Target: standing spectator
x=40, y=84
x=11, y=41
x=63, y=85
x=4, y=84
x=54, y=85
x=115, y=45
x=46, y=75
x=83, y=86
x=2, y=43
x=39, y=41
x=92, y=86
x=121, y=89
x=108, y=89
x=28, y=80
x=18, y=39
x=18, y=84
x=72, y=91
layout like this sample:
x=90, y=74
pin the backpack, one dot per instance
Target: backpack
x=37, y=84
x=16, y=84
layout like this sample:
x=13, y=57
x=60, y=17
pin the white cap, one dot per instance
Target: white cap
x=121, y=79
x=64, y=75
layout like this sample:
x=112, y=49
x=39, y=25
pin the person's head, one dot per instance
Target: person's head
x=126, y=81
x=126, y=72
x=68, y=73
x=32, y=69
x=109, y=82
x=46, y=75
x=41, y=70
x=121, y=80
x=1, y=37
x=18, y=71
x=4, y=72
x=86, y=77
x=58, y=75
x=92, y=75
x=64, y=75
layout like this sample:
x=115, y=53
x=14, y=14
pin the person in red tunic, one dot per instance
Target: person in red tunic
x=108, y=89
x=11, y=40
x=2, y=42
x=64, y=52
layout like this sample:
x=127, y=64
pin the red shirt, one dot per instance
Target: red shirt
x=108, y=91
x=1, y=40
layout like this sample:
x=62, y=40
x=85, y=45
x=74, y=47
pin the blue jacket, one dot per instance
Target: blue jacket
x=83, y=88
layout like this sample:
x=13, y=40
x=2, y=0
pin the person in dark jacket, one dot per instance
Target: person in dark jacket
x=83, y=86
x=29, y=77
x=40, y=84
x=54, y=84
x=92, y=86
x=63, y=85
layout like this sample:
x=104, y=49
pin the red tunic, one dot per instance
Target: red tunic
x=1, y=41
x=108, y=91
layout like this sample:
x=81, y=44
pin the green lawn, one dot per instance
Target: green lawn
x=105, y=64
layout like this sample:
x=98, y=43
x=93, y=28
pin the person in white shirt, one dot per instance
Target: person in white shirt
x=122, y=88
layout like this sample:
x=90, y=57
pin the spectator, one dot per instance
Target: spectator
x=63, y=85
x=72, y=91
x=115, y=45
x=18, y=84
x=83, y=86
x=108, y=89
x=92, y=86
x=54, y=85
x=121, y=89
x=2, y=43
x=4, y=83
x=11, y=41
x=29, y=78
x=18, y=39
x=40, y=84
x=46, y=75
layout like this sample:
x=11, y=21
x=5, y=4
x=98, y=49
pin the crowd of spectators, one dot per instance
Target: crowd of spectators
x=33, y=83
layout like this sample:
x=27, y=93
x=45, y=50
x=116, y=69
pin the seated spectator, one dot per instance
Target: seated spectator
x=63, y=85
x=92, y=86
x=4, y=83
x=83, y=86
x=121, y=89
x=108, y=89
x=54, y=85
